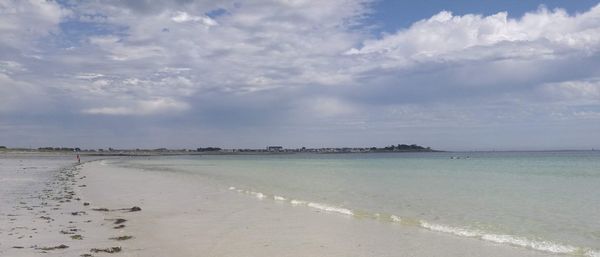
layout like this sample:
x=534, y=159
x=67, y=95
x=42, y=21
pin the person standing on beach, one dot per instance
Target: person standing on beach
x=78, y=159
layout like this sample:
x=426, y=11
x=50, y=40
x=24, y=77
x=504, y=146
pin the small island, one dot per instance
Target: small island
x=403, y=148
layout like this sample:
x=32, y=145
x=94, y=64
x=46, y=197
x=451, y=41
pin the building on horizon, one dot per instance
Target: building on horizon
x=274, y=148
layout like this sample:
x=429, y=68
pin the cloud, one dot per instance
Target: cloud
x=9, y=67
x=89, y=76
x=579, y=91
x=119, y=51
x=329, y=107
x=23, y=21
x=309, y=68
x=146, y=107
x=446, y=37
x=19, y=96
x=181, y=17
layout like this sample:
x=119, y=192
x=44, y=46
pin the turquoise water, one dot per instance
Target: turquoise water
x=547, y=201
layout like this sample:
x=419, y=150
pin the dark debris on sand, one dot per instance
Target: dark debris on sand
x=119, y=221
x=132, y=209
x=49, y=248
x=115, y=249
x=121, y=238
x=67, y=232
x=135, y=208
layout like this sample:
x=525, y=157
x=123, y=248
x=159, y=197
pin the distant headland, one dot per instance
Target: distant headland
x=218, y=150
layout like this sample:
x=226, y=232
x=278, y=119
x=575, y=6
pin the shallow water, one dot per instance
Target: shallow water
x=21, y=177
x=547, y=201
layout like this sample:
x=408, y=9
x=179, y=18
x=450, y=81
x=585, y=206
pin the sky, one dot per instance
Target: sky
x=452, y=75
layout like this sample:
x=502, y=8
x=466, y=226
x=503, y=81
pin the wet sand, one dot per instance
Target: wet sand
x=53, y=219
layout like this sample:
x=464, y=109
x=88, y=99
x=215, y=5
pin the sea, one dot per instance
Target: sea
x=545, y=201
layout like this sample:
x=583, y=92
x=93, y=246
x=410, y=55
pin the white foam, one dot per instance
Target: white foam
x=395, y=218
x=507, y=239
x=329, y=208
x=258, y=195
x=449, y=229
x=592, y=253
x=297, y=202
x=320, y=206
x=524, y=242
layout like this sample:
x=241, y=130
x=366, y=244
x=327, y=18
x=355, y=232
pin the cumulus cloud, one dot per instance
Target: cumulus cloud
x=448, y=37
x=22, y=21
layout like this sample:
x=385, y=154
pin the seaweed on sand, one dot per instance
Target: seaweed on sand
x=115, y=249
x=121, y=238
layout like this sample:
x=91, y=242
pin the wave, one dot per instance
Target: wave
x=592, y=253
x=297, y=202
x=537, y=245
x=279, y=198
x=449, y=229
x=329, y=208
x=322, y=207
x=544, y=246
x=258, y=195
x=395, y=218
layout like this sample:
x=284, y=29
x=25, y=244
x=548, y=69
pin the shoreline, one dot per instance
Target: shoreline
x=185, y=214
